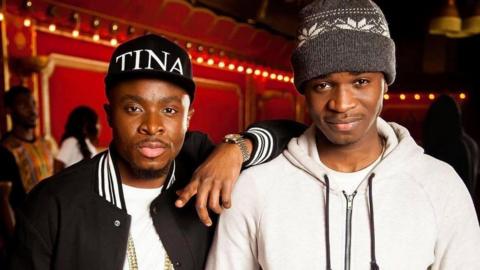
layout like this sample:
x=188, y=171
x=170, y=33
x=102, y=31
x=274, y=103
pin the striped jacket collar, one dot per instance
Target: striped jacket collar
x=109, y=183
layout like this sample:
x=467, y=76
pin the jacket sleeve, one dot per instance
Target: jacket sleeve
x=197, y=146
x=28, y=249
x=458, y=241
x=31, y=247
x=270, y=138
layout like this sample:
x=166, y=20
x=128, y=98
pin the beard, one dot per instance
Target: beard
x=147, y=174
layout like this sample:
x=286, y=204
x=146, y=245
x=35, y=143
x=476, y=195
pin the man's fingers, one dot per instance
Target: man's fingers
x=227, y=195
x=201, y=205
x=185, y=194
x=214, y=199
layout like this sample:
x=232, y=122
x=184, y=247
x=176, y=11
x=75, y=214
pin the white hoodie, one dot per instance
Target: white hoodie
x=423, y=214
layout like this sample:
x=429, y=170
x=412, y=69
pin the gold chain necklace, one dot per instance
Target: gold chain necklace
x=132, y=257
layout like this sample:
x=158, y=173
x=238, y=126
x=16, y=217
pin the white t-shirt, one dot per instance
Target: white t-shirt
x=348, y=182
x=69, y=152
x=148, y=246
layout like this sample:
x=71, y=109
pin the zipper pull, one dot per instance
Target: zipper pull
x=349, y=199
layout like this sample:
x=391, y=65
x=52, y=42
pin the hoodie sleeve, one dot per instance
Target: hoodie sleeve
x=235, y=242
x=458, y=241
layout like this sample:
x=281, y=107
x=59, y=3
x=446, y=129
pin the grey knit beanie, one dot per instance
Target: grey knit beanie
x=342, y=36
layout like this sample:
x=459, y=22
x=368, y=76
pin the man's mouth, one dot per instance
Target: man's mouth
x=343, y=124
x=152, y=149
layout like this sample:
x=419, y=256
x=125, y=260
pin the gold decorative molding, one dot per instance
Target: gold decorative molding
x=140, y=25
x=6, y=72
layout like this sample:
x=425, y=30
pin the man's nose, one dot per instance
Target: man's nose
x=342, y=99
x=152, y=124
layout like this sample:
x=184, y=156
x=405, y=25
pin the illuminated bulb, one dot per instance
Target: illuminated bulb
x=291, y=80
x=75, y=33
x=1, y=16
x=231, y=66
x=462, y=96
x=386, y=96
x=273, y=76
x=27, y=22
x=240, y=68
x=403, y=97
x=416, y=97
x=199, y=59
x=265, y=74
x=257, y=72
x=221, y=64
x=286, y=79
x=96, y=37
x=280, y=77
x=113, y=41
x=249, y=70
x=52, y=27
x=210, y=62
x=431, y=96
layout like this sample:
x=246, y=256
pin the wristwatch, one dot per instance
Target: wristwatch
x=239, y=140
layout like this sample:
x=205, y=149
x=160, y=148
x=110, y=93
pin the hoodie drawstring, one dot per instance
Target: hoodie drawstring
x=373, y=260
x=327, y=222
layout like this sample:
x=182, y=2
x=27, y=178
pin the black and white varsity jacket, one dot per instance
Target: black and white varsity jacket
x=77, y=219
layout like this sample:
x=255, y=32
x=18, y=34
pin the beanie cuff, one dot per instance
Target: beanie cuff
x=343, y=51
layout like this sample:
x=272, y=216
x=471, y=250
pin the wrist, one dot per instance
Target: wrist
x=241, y=143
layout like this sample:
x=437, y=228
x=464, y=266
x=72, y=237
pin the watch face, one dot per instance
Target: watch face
x=233, y=137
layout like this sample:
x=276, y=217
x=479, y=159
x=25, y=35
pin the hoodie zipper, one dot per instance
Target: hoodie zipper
x=348, y=228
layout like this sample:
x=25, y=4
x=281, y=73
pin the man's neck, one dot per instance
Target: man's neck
x=24, y=133
x=352, y=157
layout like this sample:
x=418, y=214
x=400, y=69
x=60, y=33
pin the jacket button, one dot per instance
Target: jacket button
x=154, y=209
x=177, y=264
x=116, y=223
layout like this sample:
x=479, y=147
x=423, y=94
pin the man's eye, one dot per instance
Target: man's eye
x=170, y=111
x=362, y=82
x=321, y=86
x=133, y=109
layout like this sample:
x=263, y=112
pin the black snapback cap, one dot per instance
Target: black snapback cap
x=151, y=56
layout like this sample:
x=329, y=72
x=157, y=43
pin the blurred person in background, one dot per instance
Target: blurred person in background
x=26, y=158
x=444, y=138
x=79, y=139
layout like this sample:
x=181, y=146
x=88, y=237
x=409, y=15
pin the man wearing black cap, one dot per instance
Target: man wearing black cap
x=353, y=191
x=116, y=211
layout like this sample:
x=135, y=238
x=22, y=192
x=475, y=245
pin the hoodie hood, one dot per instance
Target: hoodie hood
x=302, y=152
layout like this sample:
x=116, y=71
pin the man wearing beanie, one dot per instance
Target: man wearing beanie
x=117, y=210
x=353, y=191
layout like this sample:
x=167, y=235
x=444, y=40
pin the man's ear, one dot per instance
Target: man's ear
x=108, y=111
x=385, y=88
x=191, y=111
